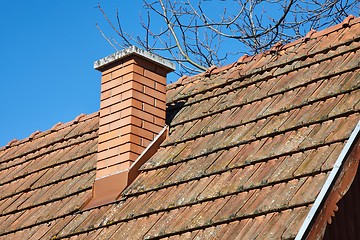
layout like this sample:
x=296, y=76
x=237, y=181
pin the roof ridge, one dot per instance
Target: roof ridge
x=349, y=21
x=58, y=126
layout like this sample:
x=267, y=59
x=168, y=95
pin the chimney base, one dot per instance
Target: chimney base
x=108, y=189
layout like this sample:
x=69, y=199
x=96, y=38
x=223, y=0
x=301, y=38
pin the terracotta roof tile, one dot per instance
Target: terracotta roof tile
x=250, y=146
x=295, y=223
x=37, y=193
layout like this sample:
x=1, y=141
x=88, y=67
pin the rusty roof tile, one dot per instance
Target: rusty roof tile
x=218, y=186
x=306, y=193
x=206, y=214
x=186, y=235
x=348, y=102
x=189, y=213
x=309, y=34
x=315, y=137
x=39, y=144
x=225, y=157
x=232, y=205
x=293, y=226
x=56, y=127
x=326, y=42
x=277, y=225
x=9, y=153
x=87, y=220
x=251, y=225
x=257, y=226
x=346, y=21
x=287, y=167
x=124, y=229
x=11, y=172
x=161, y=178
x=138, y=231
x=32, y=136
x=342, y=129
x=208, y=233
x=209, y=70
x=261, y=173
x=162, y=152
x=6, y=202
x=22, y=184
x=241, y=158
x=242, y=58
x=55, y=226
x=200, y=127
x=197, y=187
x=251, y=206
x=161, y=226
x=107, y=232
x=334, y=152
x=7, y=220
x=165, y=198
x=169, y=154
x=111, y=215
x=36, y=232
x=231, y=230
x=313, y=162
x=13, y=143
x=281, y=198
x=149, y=178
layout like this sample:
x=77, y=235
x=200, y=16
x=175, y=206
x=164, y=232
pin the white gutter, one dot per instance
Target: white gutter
x=331, y=178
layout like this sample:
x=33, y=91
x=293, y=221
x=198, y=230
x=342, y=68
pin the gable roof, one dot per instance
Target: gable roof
x=250, y=146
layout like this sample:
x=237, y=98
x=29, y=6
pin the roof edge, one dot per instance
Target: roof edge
x=58, y=126
x=328, y=183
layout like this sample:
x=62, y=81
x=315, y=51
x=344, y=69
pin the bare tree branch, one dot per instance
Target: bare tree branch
x=104, y=36
x=193, y=34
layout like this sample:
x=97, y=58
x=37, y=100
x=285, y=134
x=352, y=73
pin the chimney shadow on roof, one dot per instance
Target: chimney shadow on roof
x=171, y=112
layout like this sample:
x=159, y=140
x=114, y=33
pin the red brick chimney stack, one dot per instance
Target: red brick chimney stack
x=132, y=116
x=132, y=108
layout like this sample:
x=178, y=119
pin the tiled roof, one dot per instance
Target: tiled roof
x=47, y=176
x=250, y=146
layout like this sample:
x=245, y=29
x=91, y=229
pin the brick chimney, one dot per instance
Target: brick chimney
x=132, y=118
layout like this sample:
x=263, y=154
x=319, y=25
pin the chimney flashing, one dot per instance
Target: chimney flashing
x=102, y=63
x=144, y=156
x=154, y=145
x=108, y=189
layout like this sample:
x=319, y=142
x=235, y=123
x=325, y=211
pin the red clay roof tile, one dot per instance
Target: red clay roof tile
x=250, y=146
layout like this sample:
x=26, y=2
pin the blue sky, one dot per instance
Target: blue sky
x=47, y=50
